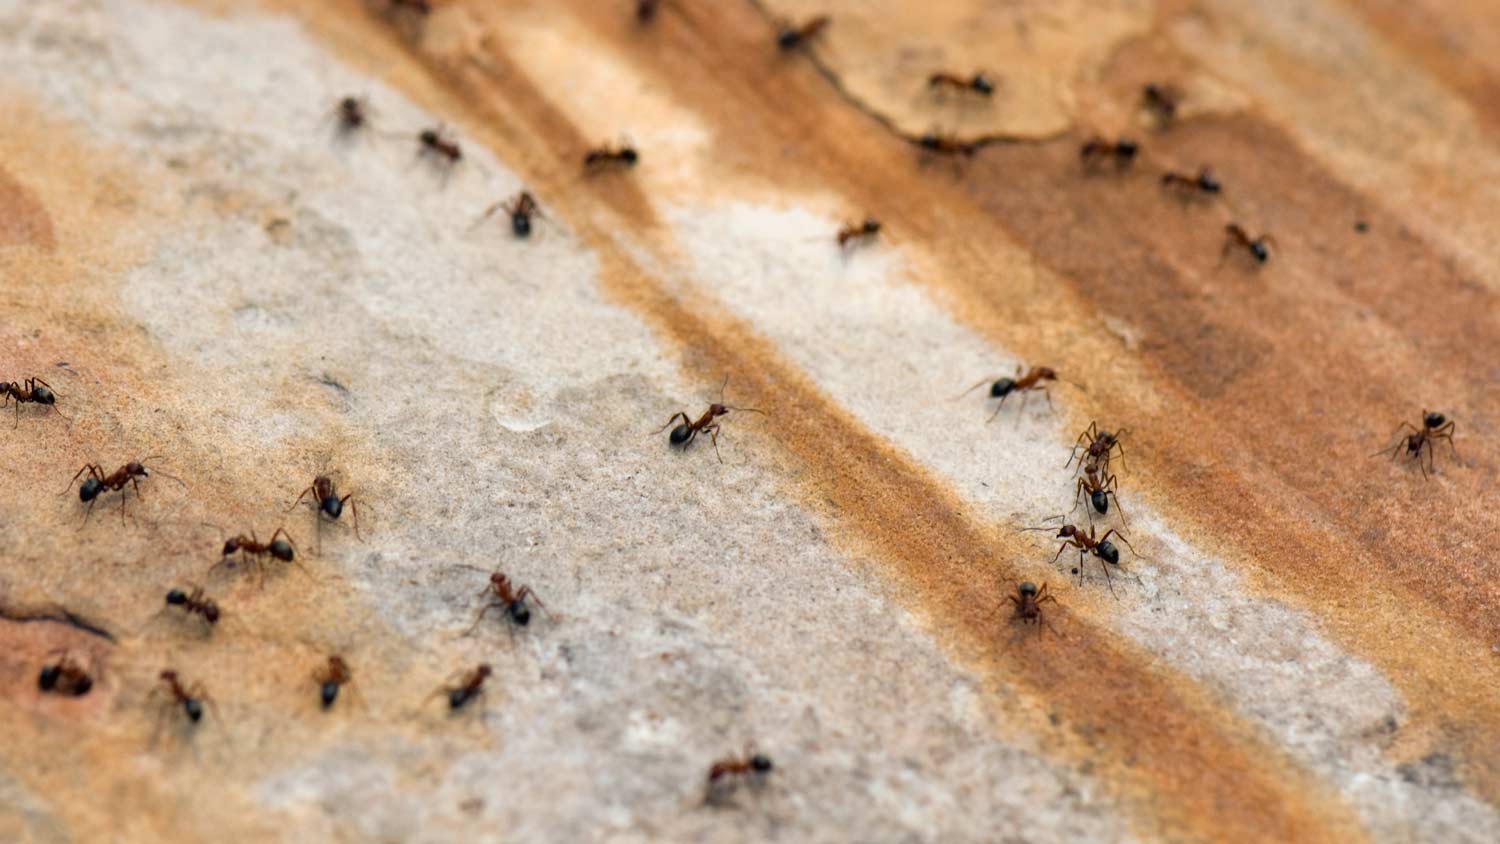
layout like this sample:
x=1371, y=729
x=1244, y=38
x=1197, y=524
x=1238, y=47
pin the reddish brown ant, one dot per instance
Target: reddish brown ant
x=65, y=677
x=469, y=687
x=1101, y=547
x=352, y=114
x=1100, y=488
x=521, y=208
x=1097, y=447
x=508, y=599
x=684, y=434
x=857, y=233
x=195, y=603
x=1161, y=101
x=727, y=772
x=1187, y=187
x=1095, y=150
x=331, y=678
x=1028, y=600
x=976, y=84
x=190, y=698
x=326, y=499
x=98, y=483
x=1234, y=236
x=789, y=36
x=599, y=158
x=441, y=149
x=936, y=143
x=29, y=391
x=1435, y=426
x=1031, y=380
x=252, y=550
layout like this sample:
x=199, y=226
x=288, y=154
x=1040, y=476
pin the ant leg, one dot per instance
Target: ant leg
x=487, y=607
x=299, y=499
x=353, y=508
x=999, y=407
x=685, y=420
x=1116, y=497
x=1061, y=548
x=713, y=434
x=1108, y=580
x=92, y=468
x=1116, y=532
x=526, y=593
x=1048, y=394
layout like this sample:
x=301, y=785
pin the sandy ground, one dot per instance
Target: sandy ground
x=1305, y=647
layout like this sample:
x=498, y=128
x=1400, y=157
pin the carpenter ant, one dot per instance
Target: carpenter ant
x=1435, y=426
x=599, y=158
x=978, y=83
x=195, y=603
x=444, y=151
x=326, y=497
x=97, y=482
x=331, y=678
x=190, y=698
x=521, y=208
x=1161, y=101
x=1031, y=380
x=684, y=434
x=1097, y=149
x=65, y=677
x=730, y=770
x=1100, y=488
x=29, y=391
x=1028, y=600
x=1234, y=236
x=509, y=600
x=789, y=36
x=936, y=143
x=1190, y=186
x=470, y=687
x=249, y=546
x=1097, y=447
x=1101, y=547
x=852, y=233
x=352, y=114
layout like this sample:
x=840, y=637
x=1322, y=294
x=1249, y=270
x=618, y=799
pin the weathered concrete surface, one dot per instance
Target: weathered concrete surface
x=1305, y=649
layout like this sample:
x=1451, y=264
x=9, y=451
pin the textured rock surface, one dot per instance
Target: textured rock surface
x=1305, y=649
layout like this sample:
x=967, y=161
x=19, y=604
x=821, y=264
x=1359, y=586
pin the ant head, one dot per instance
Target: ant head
x=1100, y=499
x=520, y=613
x=350, y=104
x=680, y=435
x=177, y=597
x=428, y=136
x=42, y=395
x=1028, y=588
x=1108, y=552
x=483, y=670
x=47, y=680
x=194, y=709
x=332, y=506
x=281, y=549
x=330, y=693
x=90, y=489
x=211, y=612
x=1002, y=387
x=1046, y=373
x=760, y=763
x=1434, y=420
x=1068, y=530
x=982, y=84
x=136, y=469
x=168, y=676
x=629, y=155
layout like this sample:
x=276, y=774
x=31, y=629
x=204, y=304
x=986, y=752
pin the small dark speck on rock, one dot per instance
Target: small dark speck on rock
x=1361, y=226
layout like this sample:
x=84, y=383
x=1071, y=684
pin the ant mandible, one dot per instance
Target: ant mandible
x=1031, y=380
x=326, y=497
x=331, y=678
x=684, y=434
x=1097, y=149
x=509, y=600
x=731, y=770
x=1235, y=236
x=65, y=677
x=470, y=687
x=1101, y=547
x=521, y=208
x=976, y=84
x=29, y=391
x=789, y=36
x=1435, y=426
x=1187, y=187
x=97, y=483
x=600, y=158
x=190, y=698
x=195, y=603
x=1028, y=600
x=852, y=233
x=1097, y=447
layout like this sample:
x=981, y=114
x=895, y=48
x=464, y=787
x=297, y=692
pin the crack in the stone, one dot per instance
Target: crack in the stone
x=56, y=615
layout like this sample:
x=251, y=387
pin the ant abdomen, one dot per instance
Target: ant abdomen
x=90, y=490
x=1100, y=498
x=1109, y=553
x=519, y=613
x=680, y=435
x=1002, y=387
x=330, y=692
x=332, y=506
x=1434, y=420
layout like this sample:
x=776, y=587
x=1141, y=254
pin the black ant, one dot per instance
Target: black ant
x=726, y=772
x=599, y=158
x=352, y=114
x=97, y=483
x=1100, y=488
x=1097, y=149
x=1161, y=101
x=1028, y=600
x=1101, y=547
x=1435, y=426
x=852, y=233
x=331, y=678
x=470, y=687
x=1097, y=447
x=521, y=208
x=1190, y=186
x=1234, y=236
x=65, y=677
x=936, y=143
x=195, y=603
x=978, y=83
x=326, y=497
x=29, y=391
x=1031, y=380
x=190, y=698
x=508, y=599
x=684, y=434
x=444, y=151
x=789, y=36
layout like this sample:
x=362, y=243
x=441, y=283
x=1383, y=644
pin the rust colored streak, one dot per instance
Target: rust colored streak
x=23, y=219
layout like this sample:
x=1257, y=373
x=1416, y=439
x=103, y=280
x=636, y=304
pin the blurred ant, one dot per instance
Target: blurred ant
x=195, y=603
x=98, y=483
x=1234, y=236
x=977, y=84
x=936, y=143
x=469, y=687
x=326, y=498
x=1435, y=426
x=249, y=547
x=29, y=391
x=724, y=774
x=1028, y=600
x=1097, y=149
x=789, y=36
x=443, y=151
x=862, y=232
x=1022, y=383
x=65, y=677
x=600, y=158
x=419, y=7
x=1161, y=101
x=331, y=678
x=1188, y=187
x=1097, y=447
x=645, y=10
x=352, y=114
x=190, y=698
x=1073, y=537
x=521, y=208
x=684, y=434
x=1100, y=488
x=508, y=599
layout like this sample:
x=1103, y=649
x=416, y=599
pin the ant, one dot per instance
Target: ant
x=1099, y=489
x=645, y=10
x=852, y=233
x=936, y=143
x=1100, y=547
x=1098, y=448
x=1028, y=600
x=331, y=678
x=600, y=158
x=790, y=36
x=97, y=483
x=1435, y=426
x=470, y=687
x=250, y=546
x=29, y=392
x=508, y=599
x=1189, y=186
x=352, y=114
x=1023, y=383
x=684, y=434
x=1161, y=101
x=724, y=773
x=1097, y=149
x=65, y=677
x=416, y=7
x=978, y=83
x=1235, y=236
x=190, y=698
x=521, y=208
x=326, y=497
x=195, y=603
x=443, y=150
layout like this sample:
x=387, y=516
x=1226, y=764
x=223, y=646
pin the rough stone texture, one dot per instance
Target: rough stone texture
x=1305, y=648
